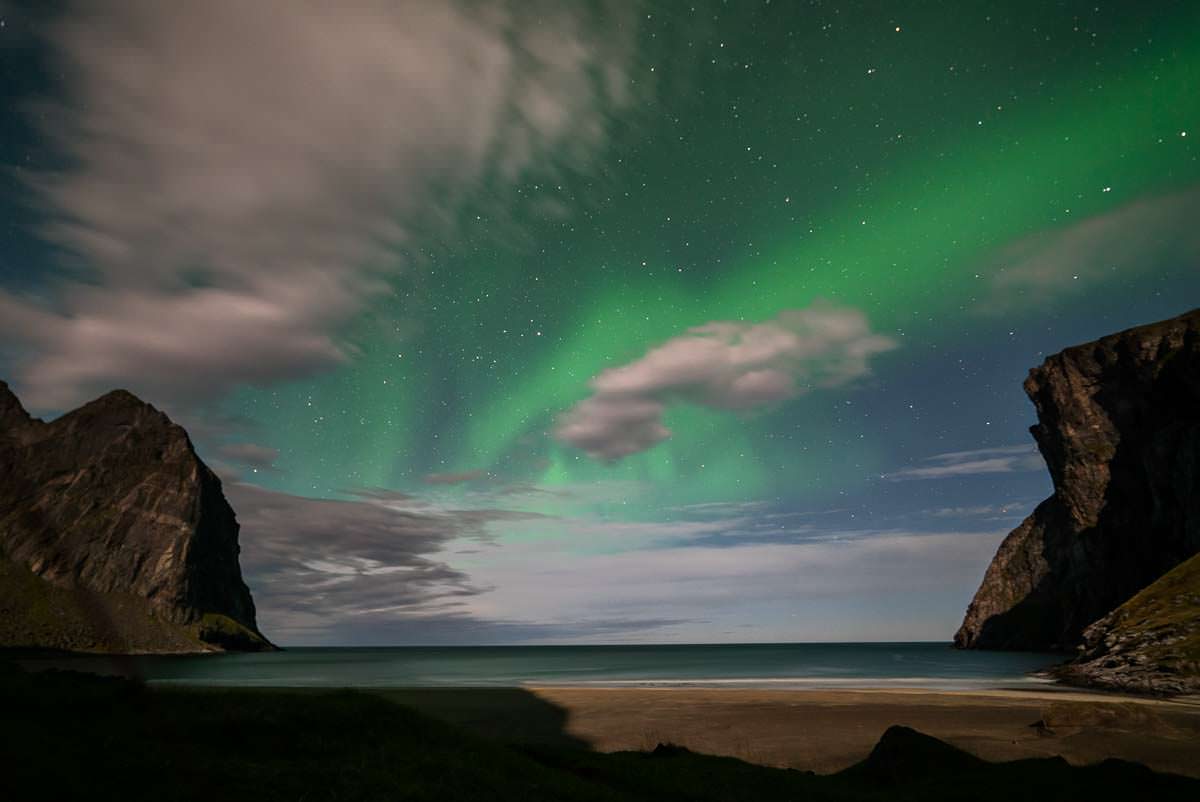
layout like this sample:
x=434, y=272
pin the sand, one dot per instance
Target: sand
x=828, y=730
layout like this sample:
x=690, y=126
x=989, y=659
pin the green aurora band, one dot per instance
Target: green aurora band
x=890, y=192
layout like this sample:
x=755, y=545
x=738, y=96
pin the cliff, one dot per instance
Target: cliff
x=115, y=536
x=1119, y=427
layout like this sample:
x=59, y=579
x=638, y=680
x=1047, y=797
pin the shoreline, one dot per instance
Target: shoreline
x=1033, y=684
x=1036, y=682
x=1051, y=691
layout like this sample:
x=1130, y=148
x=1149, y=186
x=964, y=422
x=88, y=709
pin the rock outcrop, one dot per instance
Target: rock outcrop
x=1119, y=427
x=115, y=536
x=1150, y=644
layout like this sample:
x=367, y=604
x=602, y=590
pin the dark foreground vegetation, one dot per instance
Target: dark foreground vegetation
x=70, y=736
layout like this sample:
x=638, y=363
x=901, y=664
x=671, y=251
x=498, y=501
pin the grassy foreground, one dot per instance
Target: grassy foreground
x=70, y=736
x=37, y=614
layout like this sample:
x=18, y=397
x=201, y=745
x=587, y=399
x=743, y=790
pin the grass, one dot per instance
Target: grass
x=74, y=737
x=71, y=736
x=35, y=613
x=221, y=630
x=1166, y=616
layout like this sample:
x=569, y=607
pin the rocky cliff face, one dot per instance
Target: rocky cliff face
x=111, y=503
x=1119, y=427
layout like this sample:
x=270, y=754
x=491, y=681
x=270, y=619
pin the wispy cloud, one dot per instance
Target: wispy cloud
x=1003, y=459
x=721, y=508
x=381, y=569
x=251, y=454
x=983, y=512
x=1140, y=236
x=894, y=575
x=315, y=565
x=726, y=365
x=394, y=568
x=242, y=176
x=453, y=478
x=458, y=629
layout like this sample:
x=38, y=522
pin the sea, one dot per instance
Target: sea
x=933, y=666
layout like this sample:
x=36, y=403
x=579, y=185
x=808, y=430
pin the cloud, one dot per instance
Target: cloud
x=848, y=584
x=464, y=629
x=376, y=570
x=709, y=509
x=241, y=176
x=1003, y=459
x=724, y=365
x=453, y=478
x=986, y=512
x=391, y=568
x=251, y=454
x=1138, y=237
x=316, y=565
x=191, y=344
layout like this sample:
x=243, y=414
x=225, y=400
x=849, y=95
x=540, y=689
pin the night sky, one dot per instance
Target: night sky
x=546, y=322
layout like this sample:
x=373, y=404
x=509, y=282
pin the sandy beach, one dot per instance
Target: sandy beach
x=828, y=730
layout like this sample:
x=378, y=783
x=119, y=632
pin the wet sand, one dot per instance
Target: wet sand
x=828, y=730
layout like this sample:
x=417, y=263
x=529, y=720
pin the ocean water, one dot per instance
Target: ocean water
x=805, y=665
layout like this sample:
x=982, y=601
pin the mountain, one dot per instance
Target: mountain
x=1119, y=428
x=1149, y=644
x=115, y=536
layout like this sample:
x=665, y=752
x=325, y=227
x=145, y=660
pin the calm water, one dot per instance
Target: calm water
x=844, y=665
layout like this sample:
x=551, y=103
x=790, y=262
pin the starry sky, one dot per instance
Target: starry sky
x=596, y=322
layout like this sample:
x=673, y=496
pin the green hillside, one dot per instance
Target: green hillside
x=1151, y=642
x=36, y=614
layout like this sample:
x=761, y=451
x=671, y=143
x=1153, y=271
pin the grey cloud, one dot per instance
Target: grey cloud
x=322, y=564
x=376, y=571
x=451, y=630
x=171, y=345
x=985, y=511
x=453, y=478
x=242, y=175
x=251, y=454
x=1139, y=236
x=895, y=574
x=1004, y=459
x=722, y=508
x=722, y=365
x=454, y=629
x=383, y=494
x=531, y=489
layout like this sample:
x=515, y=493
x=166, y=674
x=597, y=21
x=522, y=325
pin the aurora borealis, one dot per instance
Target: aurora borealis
x=789, y=261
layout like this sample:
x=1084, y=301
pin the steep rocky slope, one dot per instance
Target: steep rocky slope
x=1150, y=644
x=1119, y=427
x=114, y=536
